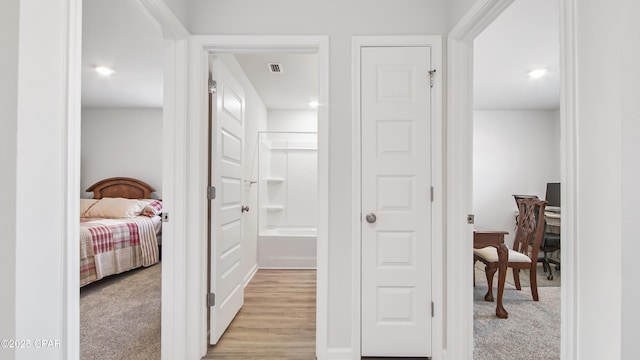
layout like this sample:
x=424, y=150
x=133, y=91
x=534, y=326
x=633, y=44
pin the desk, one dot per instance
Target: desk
x=483, y=238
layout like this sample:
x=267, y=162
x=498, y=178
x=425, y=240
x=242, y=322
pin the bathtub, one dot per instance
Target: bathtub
x=282, y=248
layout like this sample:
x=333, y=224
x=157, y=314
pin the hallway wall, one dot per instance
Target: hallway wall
x=340, y=20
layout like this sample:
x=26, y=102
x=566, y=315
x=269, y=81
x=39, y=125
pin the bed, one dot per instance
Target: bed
x=120, y=228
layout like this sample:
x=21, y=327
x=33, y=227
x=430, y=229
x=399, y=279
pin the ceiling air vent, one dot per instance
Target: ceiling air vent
x=275, y=68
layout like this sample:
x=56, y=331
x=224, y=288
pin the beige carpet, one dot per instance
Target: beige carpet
x=120, y=316
x=532, y=331
x=541, y=276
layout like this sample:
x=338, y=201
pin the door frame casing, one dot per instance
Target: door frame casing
x=437, y=245
x=200, y=48
x=459, y=344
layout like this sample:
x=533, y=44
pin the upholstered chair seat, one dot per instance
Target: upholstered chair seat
x=490, y=254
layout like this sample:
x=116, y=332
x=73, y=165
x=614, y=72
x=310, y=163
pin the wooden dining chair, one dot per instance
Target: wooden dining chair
x=526, y=244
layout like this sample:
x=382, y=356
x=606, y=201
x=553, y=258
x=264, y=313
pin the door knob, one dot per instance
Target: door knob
x=245, y=208
x=371, y=218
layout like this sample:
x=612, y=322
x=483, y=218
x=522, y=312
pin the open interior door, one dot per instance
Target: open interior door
x=227, y=136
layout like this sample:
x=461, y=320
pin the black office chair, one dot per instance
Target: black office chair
x=551, y=240
x=550, y=243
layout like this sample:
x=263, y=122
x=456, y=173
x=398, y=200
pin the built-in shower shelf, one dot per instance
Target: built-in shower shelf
x=274, y=208
x=275, y=180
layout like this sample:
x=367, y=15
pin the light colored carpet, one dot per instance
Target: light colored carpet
x=541, y=276
x=120, y=316
x=532, y=331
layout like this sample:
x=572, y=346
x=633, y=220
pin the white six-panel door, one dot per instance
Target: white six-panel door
x=396, y=189
x=226, y=221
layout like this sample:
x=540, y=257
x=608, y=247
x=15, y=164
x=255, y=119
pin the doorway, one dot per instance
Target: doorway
x=263, y=164
x=122, y=113
x=174, y=107
x=241, y=45
x=516, y=151
x=459, y=132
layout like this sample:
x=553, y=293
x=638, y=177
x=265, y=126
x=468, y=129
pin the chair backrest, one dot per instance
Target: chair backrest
x=518, y=197
x=529, y=230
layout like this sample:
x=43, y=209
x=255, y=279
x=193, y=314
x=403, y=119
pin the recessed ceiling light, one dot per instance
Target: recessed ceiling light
x=314, y=104
x=104, y=71
x=537, y=73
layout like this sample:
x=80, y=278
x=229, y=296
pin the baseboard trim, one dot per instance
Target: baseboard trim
x=339, y=354
x=288, y=267
x=250, y=275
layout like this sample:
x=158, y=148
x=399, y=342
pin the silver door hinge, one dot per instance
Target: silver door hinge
x=213, y=86
x=165, y=217
x=211, y=192
x=211, y=299
x=433, y=311
x=471, y=219
x=432, y=74
x=432, y=194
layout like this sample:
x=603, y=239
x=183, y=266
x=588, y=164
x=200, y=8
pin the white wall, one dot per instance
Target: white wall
x=630, y=181
x=38, y=167
x=8, y=152
x=255, y=121
x=601, y=143
x=293, y=120
x=514, y=152
x=121, y=142
x=340, y=20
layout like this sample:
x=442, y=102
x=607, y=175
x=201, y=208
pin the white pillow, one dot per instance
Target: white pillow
x=115, y=208
x=86, y=204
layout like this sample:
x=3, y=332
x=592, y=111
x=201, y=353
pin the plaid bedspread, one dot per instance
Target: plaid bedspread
x=112, y=246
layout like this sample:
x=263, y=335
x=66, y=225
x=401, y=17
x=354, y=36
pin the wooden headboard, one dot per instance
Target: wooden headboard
x=121, y=187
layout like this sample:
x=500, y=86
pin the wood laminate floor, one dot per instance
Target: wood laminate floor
x=277, y=321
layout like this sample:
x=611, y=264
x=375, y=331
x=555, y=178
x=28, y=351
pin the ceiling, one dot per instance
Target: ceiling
x=118, y=34
x=525, y=36
x=293, y=88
